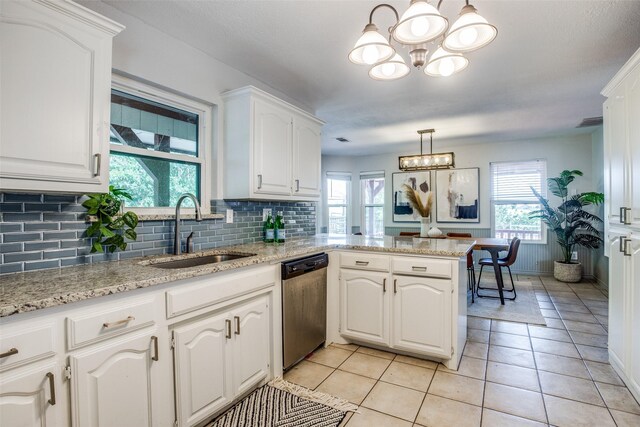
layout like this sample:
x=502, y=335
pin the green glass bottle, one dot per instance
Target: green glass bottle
x=279, y=228
x=269, y=230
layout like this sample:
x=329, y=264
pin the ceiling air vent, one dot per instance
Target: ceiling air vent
x=341, y=139
x=591, y=121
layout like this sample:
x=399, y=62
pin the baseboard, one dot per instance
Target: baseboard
x=615, y=364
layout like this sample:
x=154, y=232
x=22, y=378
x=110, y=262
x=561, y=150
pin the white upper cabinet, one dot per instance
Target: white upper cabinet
x=622, y=145
x=271, y=149
x=55, y=79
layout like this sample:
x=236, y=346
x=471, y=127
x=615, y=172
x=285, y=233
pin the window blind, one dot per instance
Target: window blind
x=512, y=181
x=340, y=176
x=371, y=174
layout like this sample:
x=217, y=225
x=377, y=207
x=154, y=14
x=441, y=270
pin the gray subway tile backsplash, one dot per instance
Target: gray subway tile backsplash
x=39, y=231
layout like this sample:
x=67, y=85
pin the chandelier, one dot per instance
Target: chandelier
x=421, y=24
x=429, y=161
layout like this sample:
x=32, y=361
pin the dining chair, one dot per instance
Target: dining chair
x=471, y=272
x=506, y=261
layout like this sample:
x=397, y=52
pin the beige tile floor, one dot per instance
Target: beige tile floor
x=511, y=374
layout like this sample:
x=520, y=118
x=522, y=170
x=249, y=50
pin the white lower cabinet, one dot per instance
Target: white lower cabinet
x=364, y=306
x=117, y=383
x=422, y=315
x=219, y=358
x=28, y=397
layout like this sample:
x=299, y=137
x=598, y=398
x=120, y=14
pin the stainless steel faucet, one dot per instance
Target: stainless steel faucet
x=177, y=242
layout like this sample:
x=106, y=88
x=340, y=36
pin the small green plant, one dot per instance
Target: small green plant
x=569, y=221
x=110, y=228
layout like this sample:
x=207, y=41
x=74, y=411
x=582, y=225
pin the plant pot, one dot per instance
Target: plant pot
x=567, y=272
x=424, y=226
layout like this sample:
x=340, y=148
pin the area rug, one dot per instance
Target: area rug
x=524, y=309
x=284, y=404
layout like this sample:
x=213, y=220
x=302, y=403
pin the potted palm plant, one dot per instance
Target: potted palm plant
x=571, y=223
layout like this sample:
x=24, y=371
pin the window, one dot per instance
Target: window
x=512, y=199
x=338, y=196
x=372, y=196
x=157, y=146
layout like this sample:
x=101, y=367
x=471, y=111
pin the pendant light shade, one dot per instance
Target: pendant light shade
x=390, y=69
x=444, y=64
x=421, y=23
x=470, y=32
x=371, y=47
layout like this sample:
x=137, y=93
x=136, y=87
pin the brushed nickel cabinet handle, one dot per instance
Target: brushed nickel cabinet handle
x=108, y=325
x=627, y=221
x=98, y=162
x=228, y=325
x=52, y=388
x=9, y=352
x=621, y=216
x=395, y=286
x=259, y=181
x=155, y=356
x=622, y=248
x=415, y=268
x=297, y=185
x=237, y=320
x=362, y=262
x=626, y=246
x=384, y=285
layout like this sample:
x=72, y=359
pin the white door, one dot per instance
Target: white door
x=271, y=149
x=364, y=305
x=202, y=381
x=26, y=399
x=633, y=114
x=54, y=100
x=306, y=158
x=617, y=300
x=251, y=335
x=422, y=315
x=615, y=154
x=633, y=327
x=114, y=384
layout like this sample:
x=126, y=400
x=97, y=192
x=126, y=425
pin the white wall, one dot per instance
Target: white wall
x=568, y=152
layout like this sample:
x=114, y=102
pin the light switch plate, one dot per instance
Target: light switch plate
x=229, y=216
x=265, y=213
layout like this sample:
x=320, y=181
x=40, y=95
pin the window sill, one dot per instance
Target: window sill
x=162, y=217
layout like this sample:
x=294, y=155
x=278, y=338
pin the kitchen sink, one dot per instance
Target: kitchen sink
x=201, y=260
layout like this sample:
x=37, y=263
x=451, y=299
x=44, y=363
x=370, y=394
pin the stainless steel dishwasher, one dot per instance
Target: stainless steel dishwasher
x=304, y=306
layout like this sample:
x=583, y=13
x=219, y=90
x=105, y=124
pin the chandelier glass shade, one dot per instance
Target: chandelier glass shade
x=431, y=161
x=419, y=25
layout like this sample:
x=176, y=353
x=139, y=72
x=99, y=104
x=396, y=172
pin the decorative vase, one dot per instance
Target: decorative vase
x=567, y=272
x=435, y=232
x=424, y=226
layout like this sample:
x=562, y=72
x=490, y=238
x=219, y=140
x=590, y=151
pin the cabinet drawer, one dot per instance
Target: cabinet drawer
x=422, y=266
x=109, y=320
x=23, y=345
x=364, y=261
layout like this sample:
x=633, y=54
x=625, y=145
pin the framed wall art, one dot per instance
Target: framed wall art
x=458, y=195
x=418, y=180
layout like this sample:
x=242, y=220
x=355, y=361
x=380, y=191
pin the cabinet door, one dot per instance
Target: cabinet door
x=634, y=321
x=306, y=158
x=617, y=300
x=364, y=306
x=56, y=75
x=422, y=315
x=271, y=149
x=615, y=154
x=202, y=382
x=633, y=120
x=114, y=384
x=26, y=399
x=251, y=355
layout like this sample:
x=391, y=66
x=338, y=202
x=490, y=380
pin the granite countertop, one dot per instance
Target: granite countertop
x=23, y=292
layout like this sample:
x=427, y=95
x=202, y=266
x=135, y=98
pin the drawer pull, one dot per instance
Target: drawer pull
x=9, y=352
x=228, y=326
x=237, y=320
x=414, y=268
x=52, y=388
x=362, y=262
x=384, y=285
x=395, y=286
x=155, y=356
x=108, y=325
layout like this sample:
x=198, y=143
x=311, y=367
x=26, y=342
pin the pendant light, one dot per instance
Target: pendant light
x=371, y=47
x=391, y=69
x=421, y=23
x=431, y=161
x=470, y=32
x=445, y=64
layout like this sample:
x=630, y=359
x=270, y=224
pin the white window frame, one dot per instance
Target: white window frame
x=205, y=145
x=363, y=177
x=543, y=187
x=346, y=176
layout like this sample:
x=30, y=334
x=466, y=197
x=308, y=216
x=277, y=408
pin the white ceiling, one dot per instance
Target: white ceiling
x=540, y=77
